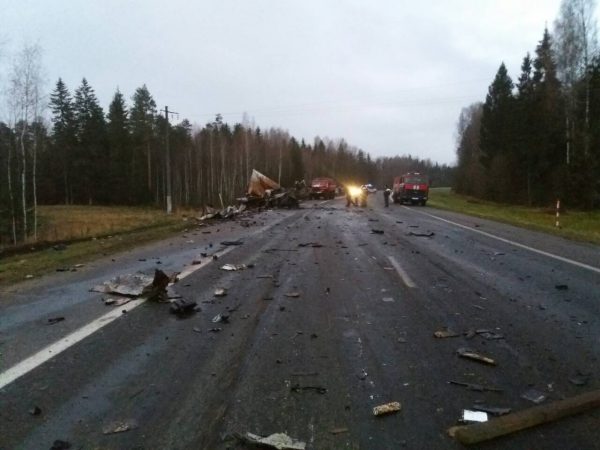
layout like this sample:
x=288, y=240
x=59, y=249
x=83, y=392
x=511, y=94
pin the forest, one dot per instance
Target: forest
x=536, y=140
x=62, y=148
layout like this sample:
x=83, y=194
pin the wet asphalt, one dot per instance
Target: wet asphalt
x=330, y=318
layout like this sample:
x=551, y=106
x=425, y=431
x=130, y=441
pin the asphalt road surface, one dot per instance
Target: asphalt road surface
x=329, y=319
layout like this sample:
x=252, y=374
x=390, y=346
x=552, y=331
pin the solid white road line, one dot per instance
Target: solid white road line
x=407, y=281
x=516, y=244
x=49, y=352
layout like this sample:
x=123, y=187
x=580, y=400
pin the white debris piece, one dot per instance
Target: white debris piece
x=280, y=441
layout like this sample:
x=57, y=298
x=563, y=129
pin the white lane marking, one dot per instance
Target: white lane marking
x=516, y=244
x=52, y=350
x=407, y=281
x=20, y=369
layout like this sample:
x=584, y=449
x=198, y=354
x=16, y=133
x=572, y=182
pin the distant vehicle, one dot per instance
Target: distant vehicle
x=370, y=188
x=411, y=187
x=323, y=187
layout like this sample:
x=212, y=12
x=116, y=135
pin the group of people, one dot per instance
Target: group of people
x=361, y=198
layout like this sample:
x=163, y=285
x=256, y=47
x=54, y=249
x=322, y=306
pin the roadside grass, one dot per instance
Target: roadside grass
x=575, y=225
x=88, y=233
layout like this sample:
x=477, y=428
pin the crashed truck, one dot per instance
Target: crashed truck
x=263, y=191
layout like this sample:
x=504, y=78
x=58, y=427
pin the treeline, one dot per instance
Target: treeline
x=82, y=155
x=538, y=139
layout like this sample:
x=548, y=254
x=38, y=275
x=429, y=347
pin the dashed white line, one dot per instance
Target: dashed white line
x=516, y=244
x=403, y=275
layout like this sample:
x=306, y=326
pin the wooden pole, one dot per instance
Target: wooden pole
x=537, y=415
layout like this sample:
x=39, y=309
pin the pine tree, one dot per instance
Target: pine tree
x=119, y=141
x=91, y=159
x=142, y=117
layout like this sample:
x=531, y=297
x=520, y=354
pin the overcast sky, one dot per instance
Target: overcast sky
x=390, y=77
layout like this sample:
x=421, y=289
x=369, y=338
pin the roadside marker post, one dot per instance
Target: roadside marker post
x=558, y=213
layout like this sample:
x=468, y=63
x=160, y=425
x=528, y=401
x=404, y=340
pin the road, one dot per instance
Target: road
x=329, y=319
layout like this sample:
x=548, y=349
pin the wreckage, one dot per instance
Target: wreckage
x=262, y=192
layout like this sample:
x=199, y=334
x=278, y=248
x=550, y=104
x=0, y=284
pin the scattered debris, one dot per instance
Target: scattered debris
x=470, y=354
x=493, y=410
x=339, y=430
x=388, y=299
x=182, y=307
x=311, y=244
x=116, y=301
x=60, y=445
x=317, y=389
x=231, y=243
x=196, y=330
x=580, y=378
x=292, y=294
x=427, y=234
x=119, y=427
x=469, y=416
x=441, y=334
x=375, y=231
x=533, y=395
x=53, y=320
x=386, y=408
x=130, y=285
x=475, y=387
x=233, y=267
x=528, y=418
x=562, y=287
x=220, y=292
x=279, y=441
x=215, y=330
x=224, y=318
x=488, y=334
x=35, y=411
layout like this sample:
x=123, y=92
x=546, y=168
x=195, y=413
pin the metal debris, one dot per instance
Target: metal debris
x=35, y=411
x=292, y=294
x=311, y=244
x=375, y=231
x=224, y=318
x=231, y=243
x=469, y=416
x=119, y=427
x=475, y=387
x=233, y=267
x=386, y=408
x=493, y=410
x=474, y=356
x=318, y=389
x=427, y=234
x=130, y=285
x=562, y=287
x=339, y=430
x=220, y=292
x=53, y=320
x=279, y=441
x=182, y=307
x=441, y=334
x=533, y=395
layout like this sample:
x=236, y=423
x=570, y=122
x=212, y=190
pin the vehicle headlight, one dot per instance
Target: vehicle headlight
x=354, y=191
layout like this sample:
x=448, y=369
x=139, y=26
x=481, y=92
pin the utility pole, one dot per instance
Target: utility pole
x=168, y=157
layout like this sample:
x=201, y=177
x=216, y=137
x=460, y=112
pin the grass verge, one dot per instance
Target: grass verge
x=576, y=225
x=87, y=234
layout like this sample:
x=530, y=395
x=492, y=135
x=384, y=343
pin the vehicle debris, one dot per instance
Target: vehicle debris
x=53, y=320
x=441, y=334
x=427, y=234
x=157, y=291
x=339, y=430
x=60, y=445
x=562, y=287
x=311, y=244
x=387, y=408
x=119, y=427
x=116, y=301
x=130, y=285
x=469, y=416
x=318, y=389
x=279, y=441
x=527, y=418
x=35, y=410
x=233, y=267
x=533, y=395
x=493, y=410
x=292, y=294
x=215, y=330
x=183, y=307
x=375, y=231
x=224, y=318
x=232, y=243
x=580, y=378
x=472, y=355
x=475, y=387
x=220, y=292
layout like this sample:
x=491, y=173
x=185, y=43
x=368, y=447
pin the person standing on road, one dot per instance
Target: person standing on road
x=386, y=195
